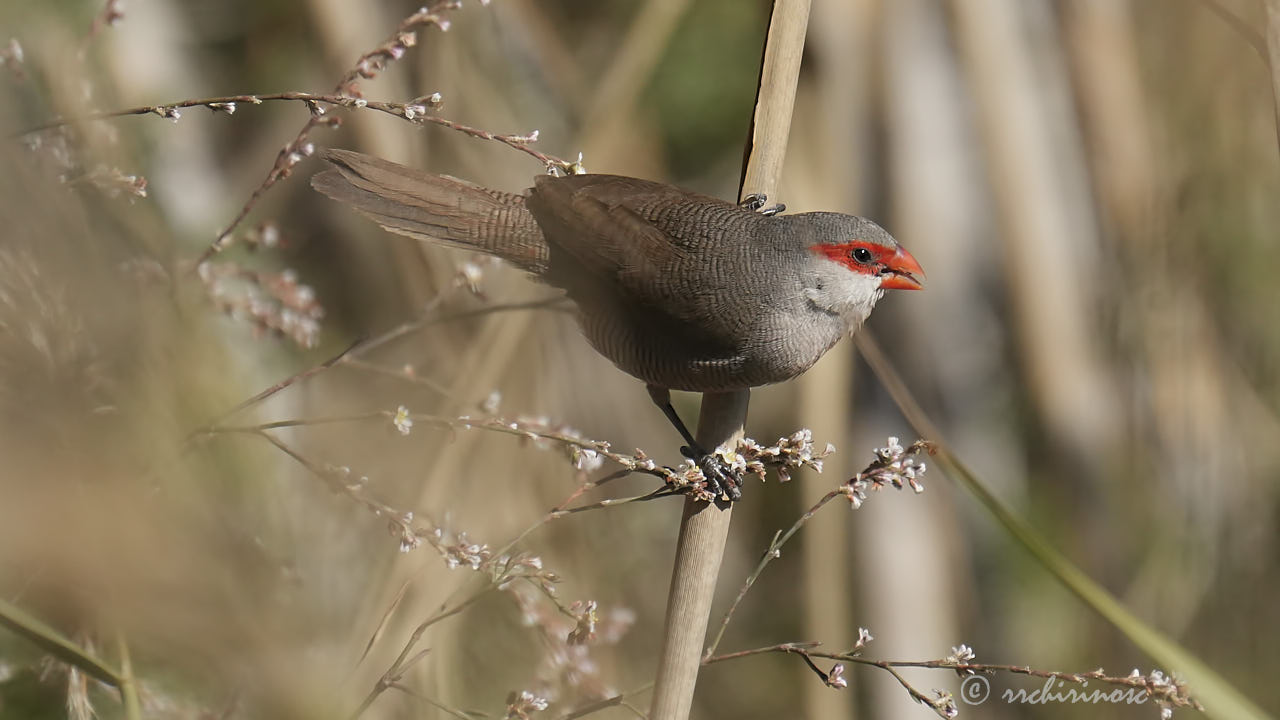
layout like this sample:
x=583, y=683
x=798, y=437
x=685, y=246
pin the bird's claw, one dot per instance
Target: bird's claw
x=755, y=202
x=723, y=482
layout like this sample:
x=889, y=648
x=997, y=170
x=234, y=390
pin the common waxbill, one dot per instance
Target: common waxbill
x=683, y=291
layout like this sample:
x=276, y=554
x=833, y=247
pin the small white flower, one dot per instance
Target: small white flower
x=587, y=460
x=537, y=703
x=402, y=421
x=864, y=637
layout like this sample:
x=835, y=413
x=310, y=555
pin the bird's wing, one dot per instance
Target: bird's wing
x=605, y=221
x=642, y=238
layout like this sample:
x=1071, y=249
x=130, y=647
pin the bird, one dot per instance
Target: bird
x=681, y=290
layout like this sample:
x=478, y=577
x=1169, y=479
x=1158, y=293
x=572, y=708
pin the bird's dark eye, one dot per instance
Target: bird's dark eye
x=860, y=254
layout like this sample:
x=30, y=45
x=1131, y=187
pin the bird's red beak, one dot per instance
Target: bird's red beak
x=900, y=272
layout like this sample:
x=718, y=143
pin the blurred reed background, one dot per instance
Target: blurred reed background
x=1091, y=185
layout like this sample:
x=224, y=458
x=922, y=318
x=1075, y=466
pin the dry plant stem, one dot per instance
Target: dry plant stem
x=771, y=122
x=286, y=383
x=421, y=323
x=1273, y=55
x=779, y=539
x=404, y=661
x=562, y=509
x=129, y=681
x=433, y=703
x=399, y=374
x=614, y=701
x=386, y=618
x=704, y=527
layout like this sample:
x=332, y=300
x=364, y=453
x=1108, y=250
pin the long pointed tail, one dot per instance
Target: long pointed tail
x=435, y=208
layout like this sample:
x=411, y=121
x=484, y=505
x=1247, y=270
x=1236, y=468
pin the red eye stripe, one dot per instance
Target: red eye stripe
x=842, y=253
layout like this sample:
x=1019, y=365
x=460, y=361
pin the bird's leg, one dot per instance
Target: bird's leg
x=723, y=480
x=755, y=203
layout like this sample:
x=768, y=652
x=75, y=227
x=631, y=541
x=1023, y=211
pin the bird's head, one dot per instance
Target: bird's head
x=854, y=261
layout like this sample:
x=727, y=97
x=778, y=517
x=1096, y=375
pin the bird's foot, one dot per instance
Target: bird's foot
x=755, y=202
x=723, y=482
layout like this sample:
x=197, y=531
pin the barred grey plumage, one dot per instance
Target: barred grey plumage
x=681, y=290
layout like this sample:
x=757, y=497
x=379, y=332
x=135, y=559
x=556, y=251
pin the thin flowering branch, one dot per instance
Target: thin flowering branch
x=275, y=302
x=586, y=454
x=940, y=702
x=1166, y=691
x=414, y=111
x=893, y=465
x=367, y=66
x=394, y=47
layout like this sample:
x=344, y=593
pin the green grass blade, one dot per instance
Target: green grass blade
x=55, y=643
x=1220, y=698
